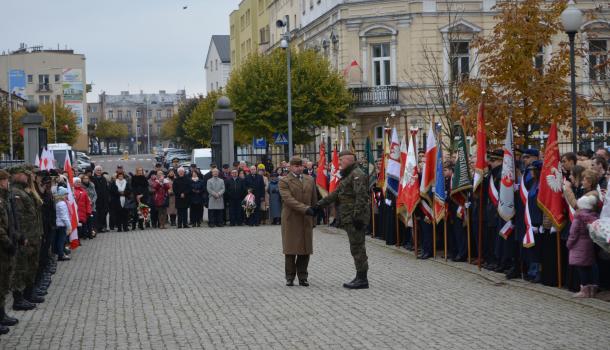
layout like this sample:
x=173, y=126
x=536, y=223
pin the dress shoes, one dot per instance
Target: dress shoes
x=303, y=283
x=289, y=283
x=424, y=256
x=6, y=320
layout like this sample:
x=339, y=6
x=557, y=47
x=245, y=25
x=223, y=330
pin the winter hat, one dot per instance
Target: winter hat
x=587, y=202
x=62, y=191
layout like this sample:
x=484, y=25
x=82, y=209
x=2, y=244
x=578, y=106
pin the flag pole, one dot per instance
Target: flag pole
x=414, y=235
x=558, y=260
x=445, y=234
x=480, y=233
x=373, y=212
x=396, y=225
x=467, y=217
x=433, y=232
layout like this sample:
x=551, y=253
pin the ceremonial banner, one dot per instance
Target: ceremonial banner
x=321, y=180
x=72, y=208
x=550, y=194
x=429, y=170
x=409, y=197
x=400, y=208
x=334, y=172
x=393, y=167
x=461, y=181
x=506, y=199
x=440, y=196
x=481, y=163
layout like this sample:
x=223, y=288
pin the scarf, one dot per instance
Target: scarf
x=121, y=184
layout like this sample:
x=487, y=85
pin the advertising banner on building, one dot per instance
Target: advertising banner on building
x=74, y=93
x=77, y=109
x=16, y=82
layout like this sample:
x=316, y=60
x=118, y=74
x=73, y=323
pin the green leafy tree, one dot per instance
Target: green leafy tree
x=198, y=125
x=109, y=131
x=174, y=128
x=258, y=95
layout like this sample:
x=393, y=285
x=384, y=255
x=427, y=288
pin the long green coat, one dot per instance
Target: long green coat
x=297, y=228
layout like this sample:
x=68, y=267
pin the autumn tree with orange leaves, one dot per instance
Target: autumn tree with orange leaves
x=517, y=74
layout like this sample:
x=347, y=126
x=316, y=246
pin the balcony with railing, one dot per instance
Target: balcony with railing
x=375, y=96
x=44, y=87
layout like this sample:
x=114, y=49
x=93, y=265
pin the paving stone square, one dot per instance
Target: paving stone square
x=223, y=288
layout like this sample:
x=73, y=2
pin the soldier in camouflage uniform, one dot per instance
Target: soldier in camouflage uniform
x=7, y=251
x=352, y=195
x=27, y=206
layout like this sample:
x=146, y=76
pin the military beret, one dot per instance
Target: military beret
x=18, y=169
x=346, y=153
x=4, y=174
x=497, y=154
x=296, y=161
x=537, y=164
x=531, y=152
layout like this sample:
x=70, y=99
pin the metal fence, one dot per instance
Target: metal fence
x=9, y=163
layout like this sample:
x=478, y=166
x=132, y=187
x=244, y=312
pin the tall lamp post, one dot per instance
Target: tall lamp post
x=571, y=19
x=285, y=44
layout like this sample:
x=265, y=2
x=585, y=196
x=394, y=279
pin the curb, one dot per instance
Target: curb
x=492, y=277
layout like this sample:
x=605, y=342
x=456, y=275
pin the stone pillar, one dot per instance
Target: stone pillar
x=33, y=134
x=223, y=140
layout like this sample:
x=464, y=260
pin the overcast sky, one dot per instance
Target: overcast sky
x=131, y=45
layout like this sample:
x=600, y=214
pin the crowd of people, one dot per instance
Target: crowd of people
x=36, y=224
x=581, y=266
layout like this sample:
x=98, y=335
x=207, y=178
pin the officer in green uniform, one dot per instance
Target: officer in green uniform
x=352, y=196
x=26, y=205
x=7, y=251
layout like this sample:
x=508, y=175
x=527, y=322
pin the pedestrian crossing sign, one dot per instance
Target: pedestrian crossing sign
x=280, y=138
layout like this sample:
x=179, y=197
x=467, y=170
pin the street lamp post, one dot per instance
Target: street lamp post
x=147, y=129
x=571, y=19
x=285, y=44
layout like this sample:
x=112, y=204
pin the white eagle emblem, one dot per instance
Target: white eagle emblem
x=409, y=177
x=555, y=180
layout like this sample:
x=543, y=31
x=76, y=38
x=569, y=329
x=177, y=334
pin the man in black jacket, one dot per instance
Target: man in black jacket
x=235, y=192
x=102, y=188
x=257, y=184
x=182, y=188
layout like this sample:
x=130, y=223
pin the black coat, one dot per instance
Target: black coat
x=182, y=185
x=257, y=184
x=139, y=185
x=235, y=189
x=103, y=193
x=115, y=196
x=196, y=196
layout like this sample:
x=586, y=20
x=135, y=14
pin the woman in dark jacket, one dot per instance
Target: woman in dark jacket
x=139, y=185
x=121, y=199
x=196, y=198
x=103, y=198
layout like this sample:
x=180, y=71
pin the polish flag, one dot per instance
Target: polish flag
x=74, y=242
x=429, y=170
x=321, y=180
x=334, y=172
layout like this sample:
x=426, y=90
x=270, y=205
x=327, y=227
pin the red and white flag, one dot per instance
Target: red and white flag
x=334, y=172
x=528, y=238
x=37, y=162
x=403, y=163
x=321, y=180
x=429, y=170
x=481, y=163
x=72, y=208
x=550, y=194
x=506, y=198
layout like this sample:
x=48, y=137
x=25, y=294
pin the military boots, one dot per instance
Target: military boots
x=6, y=320
x=20, y=304
x=360, y=282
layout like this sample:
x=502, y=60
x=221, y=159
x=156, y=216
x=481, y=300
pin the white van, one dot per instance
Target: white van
x=202, y=157
x=59, y=152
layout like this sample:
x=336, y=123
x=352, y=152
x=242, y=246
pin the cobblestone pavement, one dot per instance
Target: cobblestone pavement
x=224, y=288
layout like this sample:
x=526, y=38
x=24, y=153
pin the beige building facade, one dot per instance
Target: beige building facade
x=388, y=50
x=144, y=115
x=49, y=76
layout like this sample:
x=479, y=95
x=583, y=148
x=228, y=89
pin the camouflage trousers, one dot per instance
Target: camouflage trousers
x=7, y=265
x=26, y=266
x=357, y=248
